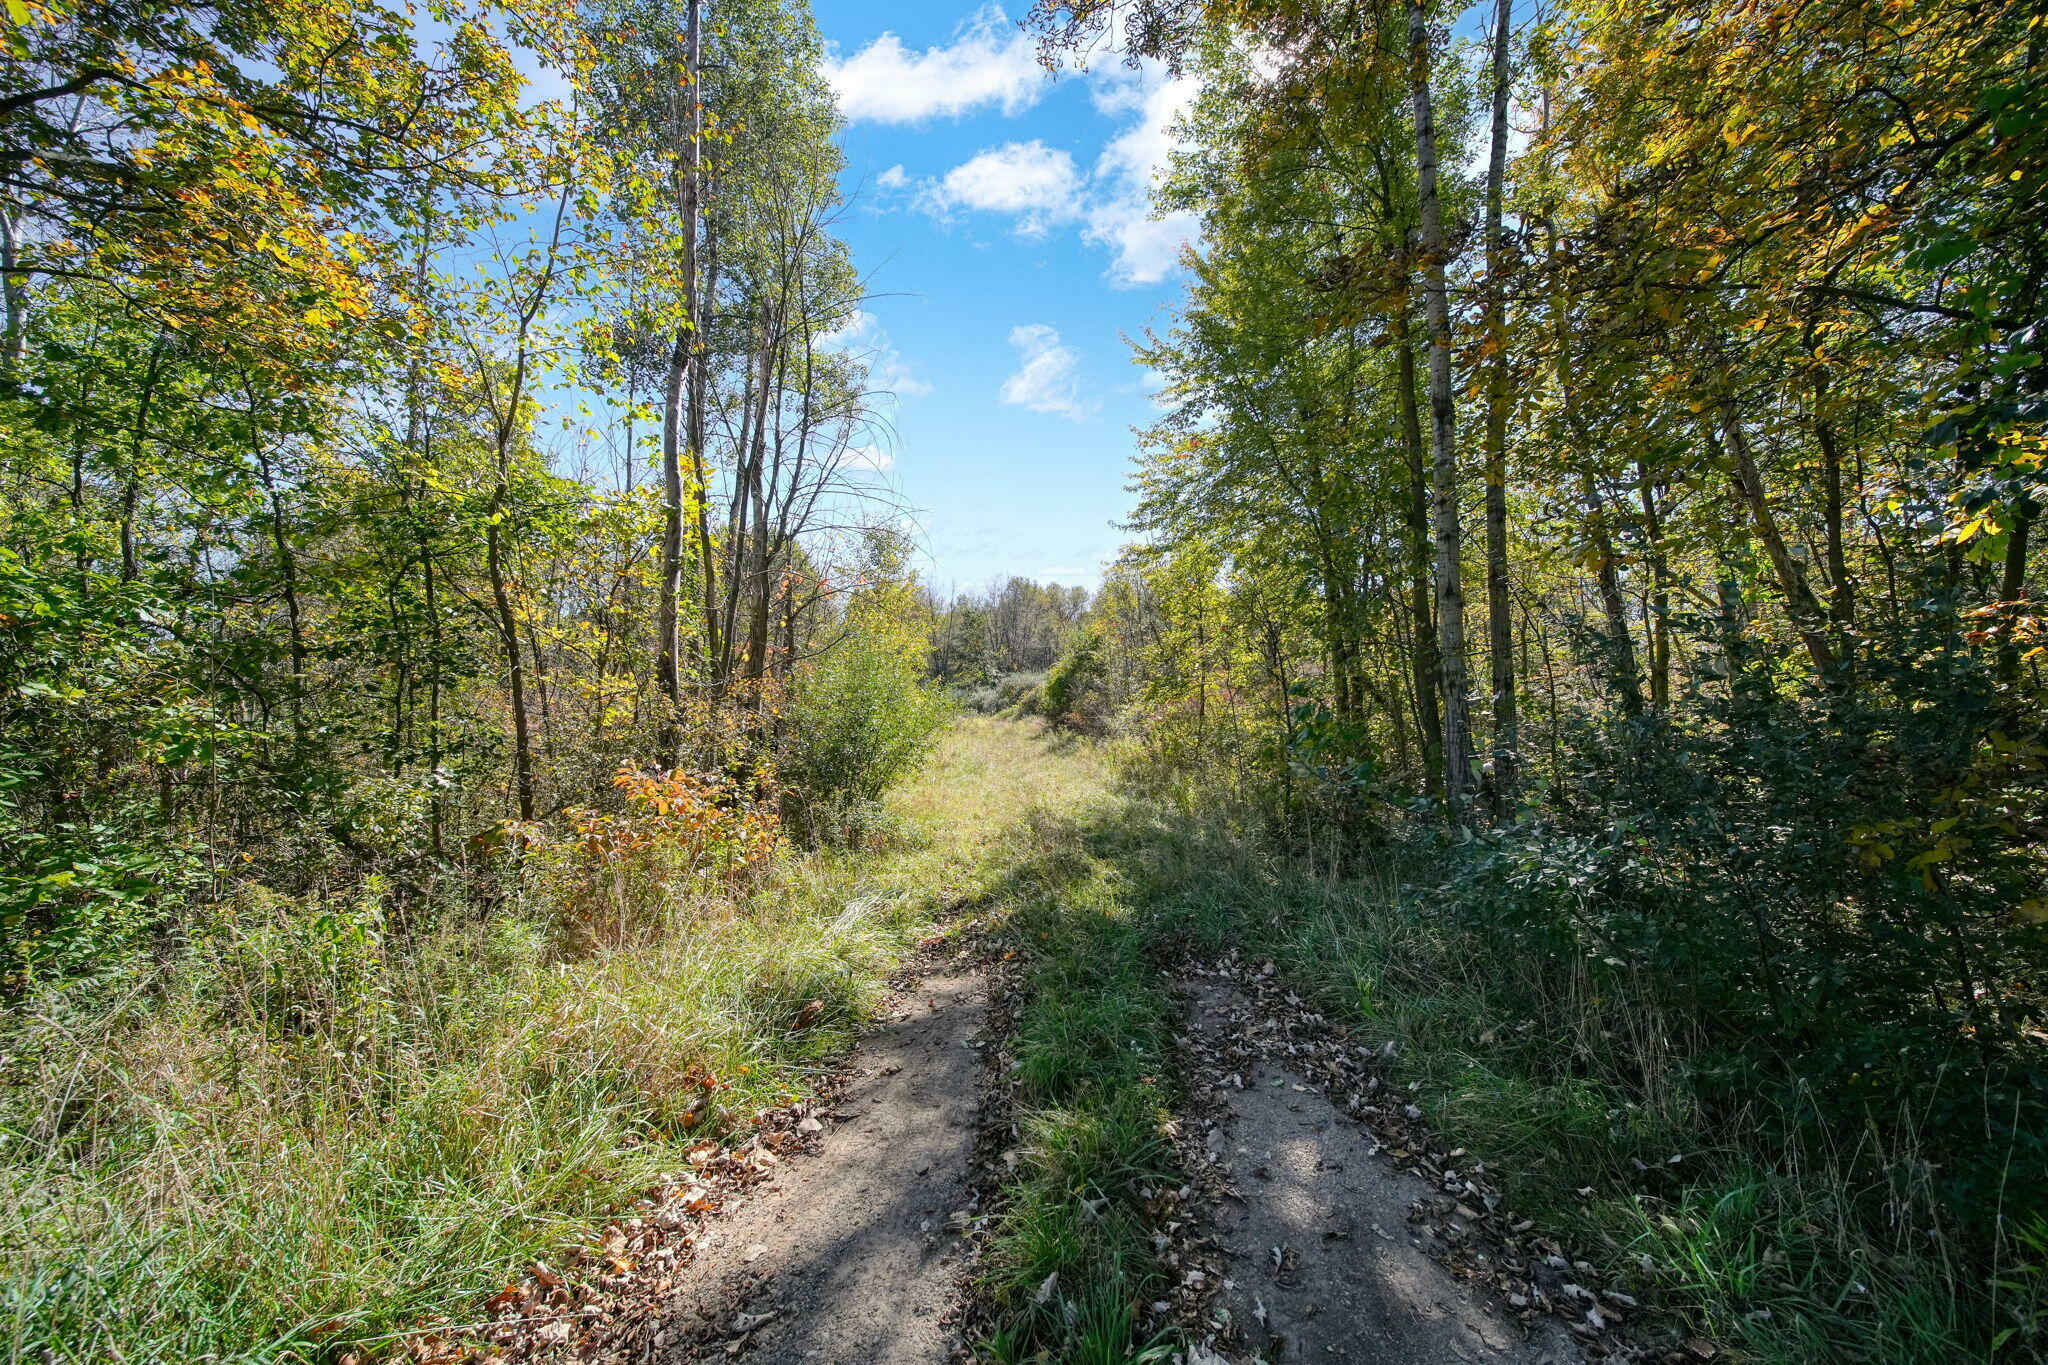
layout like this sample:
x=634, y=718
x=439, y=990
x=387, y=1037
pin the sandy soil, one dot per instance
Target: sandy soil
x=852, y=1254
x=1323, y=1262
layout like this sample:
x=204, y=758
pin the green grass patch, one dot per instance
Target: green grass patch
x=1576, y=1096
x=1071, y=1264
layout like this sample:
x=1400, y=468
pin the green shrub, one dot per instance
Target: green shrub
x=858, y=720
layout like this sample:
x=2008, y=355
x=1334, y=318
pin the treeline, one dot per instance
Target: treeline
x=1623, y=433
x=295, y=584
x=1018, y=627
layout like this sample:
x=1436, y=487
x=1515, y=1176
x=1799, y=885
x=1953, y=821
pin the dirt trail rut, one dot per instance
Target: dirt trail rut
x=1323, y=1263
x=852, y=1255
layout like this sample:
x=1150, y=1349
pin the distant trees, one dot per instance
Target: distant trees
x=1017, y=627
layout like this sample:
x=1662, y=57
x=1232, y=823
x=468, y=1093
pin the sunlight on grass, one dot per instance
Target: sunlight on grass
x=198, y=1165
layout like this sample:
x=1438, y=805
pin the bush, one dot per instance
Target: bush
x=858, y=719
x=1075, y=697
x=1020, y=694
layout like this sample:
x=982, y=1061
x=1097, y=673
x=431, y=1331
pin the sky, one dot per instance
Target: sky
x=1002, y=218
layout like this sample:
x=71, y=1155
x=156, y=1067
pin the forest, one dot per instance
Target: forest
x=484, y=770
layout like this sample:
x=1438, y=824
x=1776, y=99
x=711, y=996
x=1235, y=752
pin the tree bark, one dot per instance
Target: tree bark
x=1499, y=619
x=2012, y=591
x=1804, y=608
x=1841, y=588
x=674, y=436
x=1450, y=588
x=1660, y=590
x=1415, y=515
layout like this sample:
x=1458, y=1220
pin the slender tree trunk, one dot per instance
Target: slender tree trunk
x=674, y=438
x=13, y=298
x=419, y=440
x=1660, y=591
x=1619, y=645
x=288, y=580
x=1621, y=642
x=507, y=411
x=1804, y=608
x=131, y=485
x=700, y=387
x=1841, y=588
x=667, y=633
x=515, y=657
x=1450, y=588
x=772, y=378
x=1499, y=617
x=1415, y=514
x=2012, y=589
x=433, y=606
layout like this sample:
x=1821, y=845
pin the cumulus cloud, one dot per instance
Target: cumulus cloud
x=1041, y=187
x=872, y=459
x=1047, y=379
x=895, y=178
x=990, y=62
x=1037, y=185
x=1144, y=249
x=862, y=335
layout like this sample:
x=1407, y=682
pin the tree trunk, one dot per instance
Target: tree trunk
x=13, y=297
x=1499, y=619
x=1450, y=588
x=772, y=378
x=515, y=657
x=1621, y=643
x=1660, y=591
x=700, y=383
x=1841, y=588
x=1804, y=609
x=2012, y=590
x=674, y=438
x=1415, y=515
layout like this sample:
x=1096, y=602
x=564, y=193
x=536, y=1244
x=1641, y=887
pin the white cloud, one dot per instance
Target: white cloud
x=1048, y=380
x=863, y=335
x=873, y=459
x=1144, y=249
x=1042, y=188
x=990, y=62
x=1037, y=185
x=895, y=178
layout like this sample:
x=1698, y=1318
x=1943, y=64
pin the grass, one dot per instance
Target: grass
x=1070, y=1263
x=1568, y=1094
x=300, y=1140
x=298, y=1144
x=1576, y=1098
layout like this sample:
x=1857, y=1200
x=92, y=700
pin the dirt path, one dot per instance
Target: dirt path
x=851, y=1255
x=1323, y=1260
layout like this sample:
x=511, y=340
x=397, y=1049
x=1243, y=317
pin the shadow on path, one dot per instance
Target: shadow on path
x=1324, y=1264
x=849, y=1253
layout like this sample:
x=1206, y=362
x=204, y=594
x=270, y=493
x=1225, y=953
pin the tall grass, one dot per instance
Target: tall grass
x=301, y=1134
x=1583, y=1097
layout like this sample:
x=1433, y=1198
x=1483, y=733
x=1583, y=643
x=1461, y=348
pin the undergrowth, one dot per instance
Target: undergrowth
x=300, y=1133
x=1580, y=1097
x=1786, y=1242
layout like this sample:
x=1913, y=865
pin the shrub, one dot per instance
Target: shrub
x=857, y=720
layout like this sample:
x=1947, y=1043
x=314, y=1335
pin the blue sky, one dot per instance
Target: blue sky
x=1002, y=219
